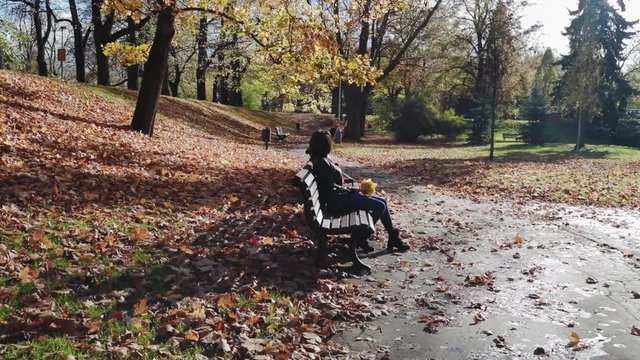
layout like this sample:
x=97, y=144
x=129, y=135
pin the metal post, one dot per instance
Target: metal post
x=340, y=100
x=62, y=29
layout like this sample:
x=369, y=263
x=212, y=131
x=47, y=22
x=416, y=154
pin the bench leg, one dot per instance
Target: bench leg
x=321, y=255
x=358, y=266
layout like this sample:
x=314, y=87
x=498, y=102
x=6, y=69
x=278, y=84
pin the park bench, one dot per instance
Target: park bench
x=281, y=135
x=323, y=224
x=515, y=137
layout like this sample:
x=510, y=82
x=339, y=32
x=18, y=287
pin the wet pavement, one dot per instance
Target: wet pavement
x=497, y=280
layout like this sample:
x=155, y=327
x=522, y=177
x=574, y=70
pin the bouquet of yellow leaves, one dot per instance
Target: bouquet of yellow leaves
x=368, y=187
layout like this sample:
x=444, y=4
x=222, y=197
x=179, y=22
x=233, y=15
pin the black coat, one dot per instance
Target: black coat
x=330, y=180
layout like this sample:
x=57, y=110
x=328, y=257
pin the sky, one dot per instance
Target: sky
x=553, y=15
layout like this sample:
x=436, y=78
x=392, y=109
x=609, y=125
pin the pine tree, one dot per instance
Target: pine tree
x=598, y=33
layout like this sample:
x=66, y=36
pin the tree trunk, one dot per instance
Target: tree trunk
x=579, y=137
x=214, y=89
x=175, y=85
x=494, y=104
x=133, y=71
x=154, y=74
x=40, y=41
x=201, y=69
x=101, y=32
x=335, y=96
x=78, y=43
x=356, y=106
x=165, y=82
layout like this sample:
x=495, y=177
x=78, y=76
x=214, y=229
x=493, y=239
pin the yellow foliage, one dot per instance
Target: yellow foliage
x=368, y=187
x=127, y=54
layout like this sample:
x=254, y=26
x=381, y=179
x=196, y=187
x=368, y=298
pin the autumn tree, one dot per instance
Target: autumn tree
x=379, y=31
x=305, y=53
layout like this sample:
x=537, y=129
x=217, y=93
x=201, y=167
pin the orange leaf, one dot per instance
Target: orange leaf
x=225, y=301
x=141, y=307
x=191, y=335
x=574, y=339
x=267, y=241
x=261, y=295
x=139, y=234
x=232, y=315
x=93, y=327
x=518, y=240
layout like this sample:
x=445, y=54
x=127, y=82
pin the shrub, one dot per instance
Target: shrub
x=450, y=125
x=411, y=119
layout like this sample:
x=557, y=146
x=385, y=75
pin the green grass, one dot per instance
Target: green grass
x=46, y=348
x=503, y=151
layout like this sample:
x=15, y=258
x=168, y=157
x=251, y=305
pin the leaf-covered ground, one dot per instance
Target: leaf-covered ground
x=601, y=175
x=185, y=245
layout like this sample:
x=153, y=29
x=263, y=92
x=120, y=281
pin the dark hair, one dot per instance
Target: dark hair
x=320, y=144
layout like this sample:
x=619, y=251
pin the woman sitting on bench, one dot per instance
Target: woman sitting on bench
x=340, y=199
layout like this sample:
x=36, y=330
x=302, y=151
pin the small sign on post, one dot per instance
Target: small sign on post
x=62, y=54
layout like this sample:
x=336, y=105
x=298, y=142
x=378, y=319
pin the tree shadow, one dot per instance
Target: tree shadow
x=63, y=115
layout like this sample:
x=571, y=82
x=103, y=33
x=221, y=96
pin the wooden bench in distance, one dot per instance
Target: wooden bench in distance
x=515, y=137
x=323, y=224
x=281, y=135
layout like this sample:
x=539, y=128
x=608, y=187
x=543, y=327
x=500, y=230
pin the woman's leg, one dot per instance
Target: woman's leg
x=385, y=217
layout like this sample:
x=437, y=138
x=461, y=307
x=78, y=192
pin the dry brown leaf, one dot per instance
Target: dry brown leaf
x=25, y=274
x=141, y=307
x=574, y=339
x=139, y=234
x=267, y=241
x=261, y=295
x=518, y=240
x=191, y=335
x=225, y=301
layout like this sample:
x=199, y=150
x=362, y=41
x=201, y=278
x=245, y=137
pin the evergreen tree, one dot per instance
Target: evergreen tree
x=536, y=107
x=601, y=26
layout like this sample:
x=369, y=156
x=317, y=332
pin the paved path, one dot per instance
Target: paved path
x=498, y=281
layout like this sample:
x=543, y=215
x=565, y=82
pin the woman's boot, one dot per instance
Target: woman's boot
x=395, y=242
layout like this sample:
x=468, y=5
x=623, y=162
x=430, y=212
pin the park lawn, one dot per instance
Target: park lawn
x=600, y=175
x=118, y=245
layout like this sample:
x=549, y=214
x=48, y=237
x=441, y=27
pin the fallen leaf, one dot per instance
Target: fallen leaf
x=574, y=339
x=141, y=307
x=25, y=274
x=191, y=335
x=267, y=241
x=225, y=301
x=635, y=331
x=518, y=240
x=93, y=327
x=139, y=234
x=539, y=351
x=261, y=295
x=478, y=318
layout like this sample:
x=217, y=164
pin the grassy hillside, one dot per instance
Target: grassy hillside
x=117, y=245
